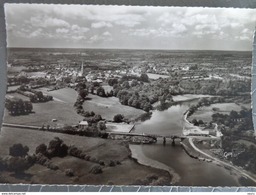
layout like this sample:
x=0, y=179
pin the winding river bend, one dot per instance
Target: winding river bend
x=173, y=158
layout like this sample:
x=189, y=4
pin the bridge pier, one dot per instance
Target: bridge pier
x=173, y=142
x=164, y=141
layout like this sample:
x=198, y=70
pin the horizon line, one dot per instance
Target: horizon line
x=127, y=49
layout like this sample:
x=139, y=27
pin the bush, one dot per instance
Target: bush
x=118, y=162
x=18, y=150
x=88, y=158
x=17, y=164
x=52, y=166
x=112, y=163
x=118, y=118
x=41, y=159
x=69, y=172
x=96, y=169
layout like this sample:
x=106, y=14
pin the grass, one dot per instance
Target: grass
x=102, y=149
x=109, y=107
x=205, y=113
x=66, y=95
x=45, y=112
x=120, y=127
x=61, y=109
x=17, y=95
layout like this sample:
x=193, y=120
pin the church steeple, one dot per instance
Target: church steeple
x=82, y=69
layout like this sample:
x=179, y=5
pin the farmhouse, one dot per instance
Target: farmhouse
x=83, y=124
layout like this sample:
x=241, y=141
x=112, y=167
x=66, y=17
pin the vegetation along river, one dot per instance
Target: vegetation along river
x=190, y=171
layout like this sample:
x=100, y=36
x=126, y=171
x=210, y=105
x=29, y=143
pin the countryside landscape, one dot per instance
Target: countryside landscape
x=126, y=116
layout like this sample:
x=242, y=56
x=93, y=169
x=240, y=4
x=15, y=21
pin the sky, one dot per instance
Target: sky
x=129, y=27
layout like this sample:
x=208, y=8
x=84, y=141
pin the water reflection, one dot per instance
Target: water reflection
x=191, y=171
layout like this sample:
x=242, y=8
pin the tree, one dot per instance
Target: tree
x=56, y=147
x=234, y=114
x=42, y=148
x=134, y=83
x=112, y=82
x=101, y=92
x=17, y=164
x=83, y=93
x=101, y=125
x=18, y=150
x=144, y=77
x=195, y=122
x=126, y=85
x=118, y=118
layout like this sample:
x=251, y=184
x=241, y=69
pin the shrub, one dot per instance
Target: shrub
x=96, y=169
x=118, y=118
x=118, y=162
x=17, y=164
x=52, y=166
x=69, y=172
x=112, y=163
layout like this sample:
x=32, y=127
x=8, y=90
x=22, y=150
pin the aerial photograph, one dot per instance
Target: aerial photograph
x=128, y=95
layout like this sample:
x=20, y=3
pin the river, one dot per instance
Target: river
x=192, y=172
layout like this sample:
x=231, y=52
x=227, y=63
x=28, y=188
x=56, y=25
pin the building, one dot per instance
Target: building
x=82, y=124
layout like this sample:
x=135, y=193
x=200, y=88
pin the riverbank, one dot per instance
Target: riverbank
x=142, y=159
x=239, y=172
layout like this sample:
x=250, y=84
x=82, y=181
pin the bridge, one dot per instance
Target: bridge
x=164, y=137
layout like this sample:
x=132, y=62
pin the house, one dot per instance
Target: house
x=83, y=124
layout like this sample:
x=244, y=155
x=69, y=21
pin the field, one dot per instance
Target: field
x=61, y=109
x=99, y=148
x=66, y=95
x=120, y=127
x=109, y=107
x=44, y=113
x=205, y=113
x=17, y=95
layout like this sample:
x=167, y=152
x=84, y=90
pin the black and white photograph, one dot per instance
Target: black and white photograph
x=128, y=95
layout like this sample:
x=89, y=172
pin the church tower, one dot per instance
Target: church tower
x=81, y=73
x=82, y=69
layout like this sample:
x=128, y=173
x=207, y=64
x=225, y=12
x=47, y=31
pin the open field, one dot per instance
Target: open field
x=187, y=97
x=205, y=113
x=44, y=113
x=66, y=95
x=109, y=107
x=61, y=109
x=17, y=95
x=99, y=148
x=119, y=127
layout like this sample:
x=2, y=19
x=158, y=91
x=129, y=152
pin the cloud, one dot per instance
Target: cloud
x=106, y=33
x=62, y=30
x=36, y=33
x=127, y=23
x=178, y=28
x=47, y=21
x=131, y=26
x=101, y=24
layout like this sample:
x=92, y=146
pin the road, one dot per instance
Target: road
x=221, y=162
